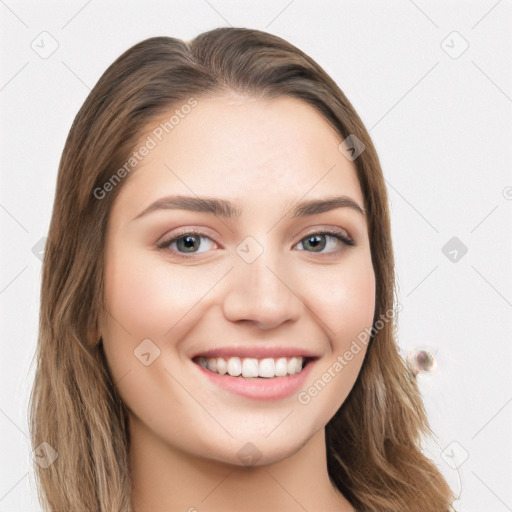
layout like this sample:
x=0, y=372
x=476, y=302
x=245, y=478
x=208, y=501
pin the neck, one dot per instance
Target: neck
x=165, y=478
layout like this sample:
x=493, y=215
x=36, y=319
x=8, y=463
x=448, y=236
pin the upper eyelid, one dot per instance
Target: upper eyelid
x=205, y=233
x=179, y=232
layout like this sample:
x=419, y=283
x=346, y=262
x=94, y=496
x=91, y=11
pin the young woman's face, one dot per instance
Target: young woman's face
x=260, y=282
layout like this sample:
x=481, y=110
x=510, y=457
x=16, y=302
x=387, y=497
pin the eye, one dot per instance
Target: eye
x=318, y=241
x=189, y=241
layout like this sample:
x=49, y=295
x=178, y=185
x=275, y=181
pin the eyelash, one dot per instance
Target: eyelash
x=332, y=232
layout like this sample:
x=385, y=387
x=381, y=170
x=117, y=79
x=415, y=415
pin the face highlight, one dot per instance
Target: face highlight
x=208, y=250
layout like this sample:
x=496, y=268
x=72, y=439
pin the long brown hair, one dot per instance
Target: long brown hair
x=373, y=441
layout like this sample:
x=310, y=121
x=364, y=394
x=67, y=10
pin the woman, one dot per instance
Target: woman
x=217, y=306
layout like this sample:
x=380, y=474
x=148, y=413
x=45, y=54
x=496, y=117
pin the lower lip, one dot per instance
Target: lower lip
x=260, y=388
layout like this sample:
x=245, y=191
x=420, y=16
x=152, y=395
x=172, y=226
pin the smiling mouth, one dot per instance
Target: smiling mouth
x=253, y=368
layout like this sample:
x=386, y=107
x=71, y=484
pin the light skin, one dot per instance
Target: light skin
x=185, y=432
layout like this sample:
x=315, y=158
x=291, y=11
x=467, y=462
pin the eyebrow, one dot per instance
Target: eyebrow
x=229, y=210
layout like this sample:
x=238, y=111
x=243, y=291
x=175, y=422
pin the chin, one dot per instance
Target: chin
x=261, y=452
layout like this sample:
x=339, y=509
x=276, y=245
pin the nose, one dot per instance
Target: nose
x=262, y=292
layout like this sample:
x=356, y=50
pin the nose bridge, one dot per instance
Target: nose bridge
x=259, y=288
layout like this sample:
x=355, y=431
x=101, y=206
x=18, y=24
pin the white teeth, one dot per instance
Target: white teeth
x=281, y=368
x=222, y=366
x=249, y=367
x=234, y=366
x=292, y=365
x=266, y=368
x=211, y=364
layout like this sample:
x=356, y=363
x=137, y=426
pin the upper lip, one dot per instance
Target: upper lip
x=257, y=352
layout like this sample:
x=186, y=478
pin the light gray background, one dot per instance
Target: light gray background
x=441, y=121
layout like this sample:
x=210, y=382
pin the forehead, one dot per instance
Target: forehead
x=247, y=149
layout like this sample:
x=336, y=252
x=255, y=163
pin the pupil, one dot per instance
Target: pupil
x=189, y=241
x=316, y=237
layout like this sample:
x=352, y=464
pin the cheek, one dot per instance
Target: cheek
x=144, y=302
x=344, y=299
x=147, y=296
x=345, y=302
x=146, y=299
